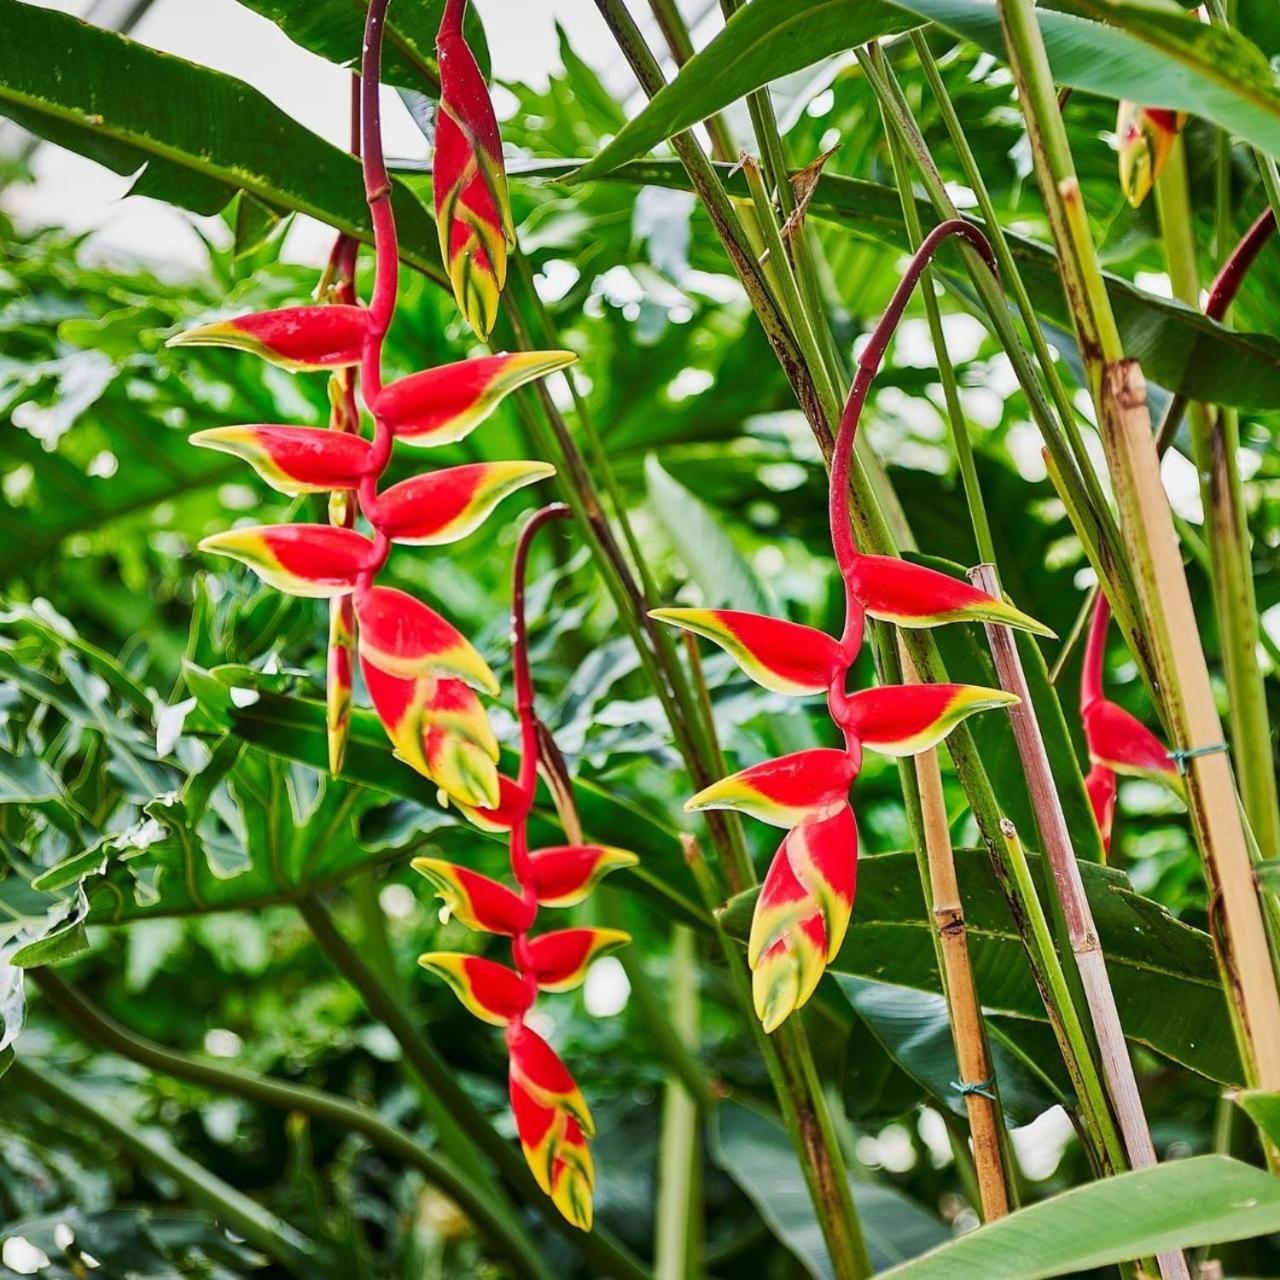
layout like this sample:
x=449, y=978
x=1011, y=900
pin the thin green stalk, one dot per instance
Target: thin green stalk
x=678, y=1224
x=436, y=1075
x=1182, y=676
x=946, y=371
x=1215, y=447
x=1067, y=1024
x=477, y=1201
x=234, y=1210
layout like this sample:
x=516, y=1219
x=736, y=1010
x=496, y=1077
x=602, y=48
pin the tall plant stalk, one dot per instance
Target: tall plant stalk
x=968, y=1031
x=1215, y=445
x=1182, y=674
x=1122, y=1084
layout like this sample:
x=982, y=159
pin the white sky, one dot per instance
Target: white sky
x=80, y=195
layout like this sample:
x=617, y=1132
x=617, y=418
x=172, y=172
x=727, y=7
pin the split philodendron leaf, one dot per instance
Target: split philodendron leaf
x=805, y=904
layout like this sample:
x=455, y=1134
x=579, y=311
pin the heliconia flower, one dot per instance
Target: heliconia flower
x=443, y=506
x=476, y=901
x=783, y=656
x=445, y=404
x=461, y=761
x=490, y=990
x=913, y=595
x=294, y=459
x=300, y=559
x=473, y=209
x=785, y=791
x=403, y=637
x=1100, y=786
x=573, y=1177
x=338, y=678
x=564, y=875
x=1146, y=136
x=537, y=1069
x=326, y=337
x=788, y=949
x=501, y=815
x=560, y=959
x=1122, y=743
x=905, y=719
x=439, y=728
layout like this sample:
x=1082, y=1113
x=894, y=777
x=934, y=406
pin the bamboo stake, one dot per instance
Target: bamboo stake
x=977, y=1077
x=1117, y=1069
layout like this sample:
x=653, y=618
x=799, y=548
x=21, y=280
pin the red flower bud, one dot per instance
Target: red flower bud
x=294, y=459
x=301, y=559
x=295, y=338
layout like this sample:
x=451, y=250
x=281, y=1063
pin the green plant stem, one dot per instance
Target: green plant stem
x=1182, y=676
x=261, y=1228
x=678, y=1229
x=437, y=1076
x=1063, y=1015
x=96, y=1027
x=1215, y=446
x=666, y=14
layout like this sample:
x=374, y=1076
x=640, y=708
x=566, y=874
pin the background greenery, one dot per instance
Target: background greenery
x=195, y=820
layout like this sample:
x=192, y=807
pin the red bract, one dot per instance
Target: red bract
x=1146, y=136
x=565, y=875
x=476, y=901
x=473, y=210
x=1118, y=742
x=295, y=337
x=491, y=991
x=444, y=405
x=804, y=905
x=782, y=656
x=301, y=559
x=443, y=506
x=559, y=960
x=295, y=459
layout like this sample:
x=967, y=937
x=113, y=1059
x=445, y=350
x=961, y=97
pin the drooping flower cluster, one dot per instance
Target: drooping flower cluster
x=552, y=1117
x=1118, y=742
x=804, y=906
x=1146, y=136
x=421, y=673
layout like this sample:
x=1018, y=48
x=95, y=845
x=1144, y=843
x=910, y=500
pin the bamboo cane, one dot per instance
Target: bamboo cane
x=1117, y=1069
x=977, y=1080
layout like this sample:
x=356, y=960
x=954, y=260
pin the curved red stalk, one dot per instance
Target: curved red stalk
x=1226, y=284
x=527, y=778
x=842, y=540
x=1094, y=652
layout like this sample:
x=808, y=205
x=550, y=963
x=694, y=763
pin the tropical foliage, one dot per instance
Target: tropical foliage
x=1018, y=1019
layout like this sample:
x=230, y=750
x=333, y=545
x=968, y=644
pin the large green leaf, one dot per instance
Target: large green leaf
x=1153, y=53
x=334, y=29
x=1263, y=1109
x=763, y=41
x=1178, y=347
x=1162, y=971
x=197, y=136
x=756, y=1153
x=1202, y=1200
x=915, y=1030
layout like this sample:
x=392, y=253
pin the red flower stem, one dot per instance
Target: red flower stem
x=869, y=361
x=1222, y=293
x=1095, y=651
x=527, y=779
x=377, y=189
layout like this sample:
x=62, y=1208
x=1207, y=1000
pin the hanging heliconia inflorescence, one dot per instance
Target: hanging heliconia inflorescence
x=804, y=906
x=421, y=673
x=1145, y=136
x=551, y=1115
x=1118, y=742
